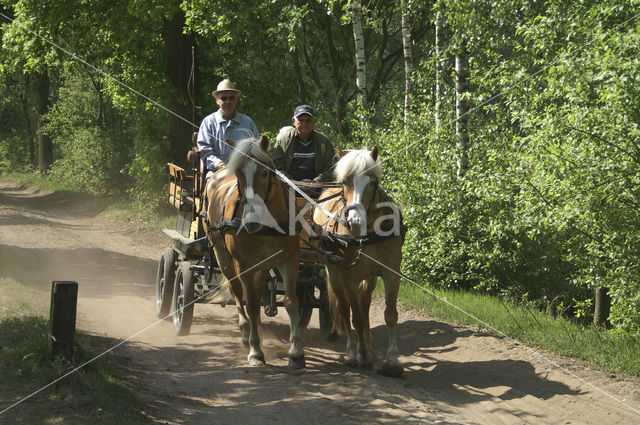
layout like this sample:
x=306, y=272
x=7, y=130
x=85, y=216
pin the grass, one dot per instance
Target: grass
x=605, y=349
x=95, y=394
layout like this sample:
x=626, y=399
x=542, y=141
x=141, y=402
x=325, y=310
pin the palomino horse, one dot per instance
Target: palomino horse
x=247, y=240
x=368, y=232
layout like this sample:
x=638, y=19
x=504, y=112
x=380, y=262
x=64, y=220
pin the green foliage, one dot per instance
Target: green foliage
x=548, y=209
x=89, y=153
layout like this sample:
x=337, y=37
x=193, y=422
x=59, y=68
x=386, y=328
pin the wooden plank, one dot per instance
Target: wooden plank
x=177, y=236
x=175, y=171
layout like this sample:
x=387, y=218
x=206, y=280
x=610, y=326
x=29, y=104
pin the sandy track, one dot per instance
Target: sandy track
x=453, y=375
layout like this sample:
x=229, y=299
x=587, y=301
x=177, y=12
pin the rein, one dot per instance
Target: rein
x=347, y=240
x=235, y=222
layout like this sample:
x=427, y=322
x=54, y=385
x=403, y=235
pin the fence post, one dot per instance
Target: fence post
x=62, y=316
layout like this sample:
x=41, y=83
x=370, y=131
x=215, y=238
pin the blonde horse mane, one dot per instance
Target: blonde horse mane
x=357, y=162
x=246, y=150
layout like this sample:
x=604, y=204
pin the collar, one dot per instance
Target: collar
x=220, y=119
x=305, y=142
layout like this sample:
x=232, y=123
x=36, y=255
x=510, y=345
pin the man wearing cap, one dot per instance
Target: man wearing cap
x=226, y=123
x=302, y=153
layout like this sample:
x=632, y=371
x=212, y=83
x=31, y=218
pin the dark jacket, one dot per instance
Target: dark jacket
x=325, y=157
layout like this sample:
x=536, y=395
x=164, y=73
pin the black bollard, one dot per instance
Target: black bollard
x=62, y=317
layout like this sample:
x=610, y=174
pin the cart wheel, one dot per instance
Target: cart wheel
x=164, y=282
x=183, y=299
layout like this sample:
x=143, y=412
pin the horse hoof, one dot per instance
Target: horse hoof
x=392, y=371
x=296, y=363
x=256, y=361
x=351, y=363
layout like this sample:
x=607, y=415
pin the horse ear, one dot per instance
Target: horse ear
x=340, y=152
x=230, y=142
x=264, y=143
x=374, y=153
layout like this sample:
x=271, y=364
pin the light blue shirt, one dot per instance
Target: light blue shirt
x=215, y=129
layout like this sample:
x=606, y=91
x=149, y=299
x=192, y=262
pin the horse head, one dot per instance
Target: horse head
x=359, y=172
x=251, y=163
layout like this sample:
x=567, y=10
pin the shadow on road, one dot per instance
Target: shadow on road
x=98, y=272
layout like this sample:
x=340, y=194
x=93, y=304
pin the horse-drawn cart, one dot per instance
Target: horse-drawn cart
x=188, y=272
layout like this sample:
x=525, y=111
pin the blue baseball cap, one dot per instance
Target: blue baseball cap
x=303, y=109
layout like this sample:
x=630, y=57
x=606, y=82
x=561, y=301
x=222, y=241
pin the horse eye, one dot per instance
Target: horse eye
x=264, y=173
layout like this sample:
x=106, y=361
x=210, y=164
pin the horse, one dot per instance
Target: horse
x=365, y=227
x=243, y=202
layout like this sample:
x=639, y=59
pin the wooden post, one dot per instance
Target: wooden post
x=62, y=316
x=602, y=307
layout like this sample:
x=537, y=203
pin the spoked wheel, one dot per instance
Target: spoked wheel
x=164, y=282
x=183, y=299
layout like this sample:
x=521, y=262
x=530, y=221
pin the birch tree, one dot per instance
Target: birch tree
x=462, y=109
x=441, y=61
x=408, y=60
x=361, y=64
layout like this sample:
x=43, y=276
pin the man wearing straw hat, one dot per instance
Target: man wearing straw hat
x=224, y=124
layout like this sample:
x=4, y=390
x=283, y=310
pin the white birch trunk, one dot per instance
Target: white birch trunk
x=361, y=69
x=462, y=110
x=408, y=62
x=441, y=45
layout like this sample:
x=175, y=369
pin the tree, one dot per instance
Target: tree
x=462, y=110
x=441, y=64
x=179, y=48
x=408, y=60
x=361, y=59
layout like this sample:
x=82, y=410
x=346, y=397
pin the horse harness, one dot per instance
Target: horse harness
x=235, y=222
x=346, y=240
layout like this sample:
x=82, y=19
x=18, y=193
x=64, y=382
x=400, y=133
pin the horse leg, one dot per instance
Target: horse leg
x=366, y=290
x=392, y=366
x=255, y=284
x=235, y=287
x=341, y=313
x=365, y=358
x=231, y=270
x=289, y=272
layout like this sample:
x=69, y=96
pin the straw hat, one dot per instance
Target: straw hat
x=225, y=85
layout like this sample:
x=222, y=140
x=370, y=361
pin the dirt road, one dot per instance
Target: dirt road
x=452, y=374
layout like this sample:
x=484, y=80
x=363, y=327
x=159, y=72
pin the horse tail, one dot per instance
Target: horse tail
x=335, y=303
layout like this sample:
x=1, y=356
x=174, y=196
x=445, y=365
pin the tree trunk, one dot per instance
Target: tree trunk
x=462, y=110
x=45, y=146
x=302, y=93
x=26, y=112
x=408, y=62
x=361, y=63
x=339, y=83
x=178, y=71
x=602, y=307
x=441, y=61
